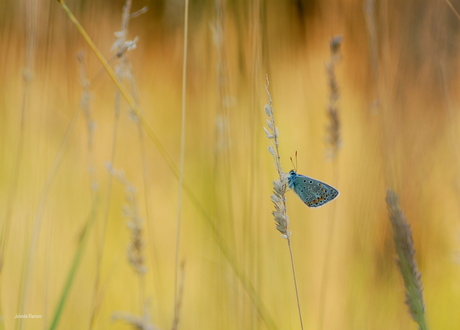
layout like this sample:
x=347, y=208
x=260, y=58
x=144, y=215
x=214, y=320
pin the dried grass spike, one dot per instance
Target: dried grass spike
x=402, y=235
x=333, y=128
x=279, y=186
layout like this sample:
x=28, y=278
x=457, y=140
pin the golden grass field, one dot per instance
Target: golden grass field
x=97, y=230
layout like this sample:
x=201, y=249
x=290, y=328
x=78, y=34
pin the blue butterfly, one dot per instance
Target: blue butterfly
x=312, y=192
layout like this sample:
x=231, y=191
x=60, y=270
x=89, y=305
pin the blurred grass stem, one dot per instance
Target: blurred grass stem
x=333, y=138
x=181, y=166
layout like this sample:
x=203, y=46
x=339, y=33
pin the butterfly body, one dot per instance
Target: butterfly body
x=312, y=192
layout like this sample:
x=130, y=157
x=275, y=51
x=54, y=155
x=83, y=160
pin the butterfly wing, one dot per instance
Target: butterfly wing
x=313, y=192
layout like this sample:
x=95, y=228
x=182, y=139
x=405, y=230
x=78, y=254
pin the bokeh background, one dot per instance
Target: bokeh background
x=76, y=167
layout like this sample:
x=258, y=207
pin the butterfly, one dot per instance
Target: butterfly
x=312, y=192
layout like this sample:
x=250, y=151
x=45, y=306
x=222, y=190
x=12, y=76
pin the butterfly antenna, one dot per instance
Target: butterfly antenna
x=296, y=160
x=295, y=165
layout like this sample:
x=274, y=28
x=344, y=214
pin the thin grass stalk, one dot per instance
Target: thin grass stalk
x=451, y=106
x=370, y=18
x=279, y=190
x=453, y=9
x=74, y=267
x=181, y=161
x=404, y=245
x=180, y=296
x=333, y=139
x=255, y=73
x=27, y=76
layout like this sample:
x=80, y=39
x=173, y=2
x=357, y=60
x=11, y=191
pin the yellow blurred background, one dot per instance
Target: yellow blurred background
x=64, y=215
